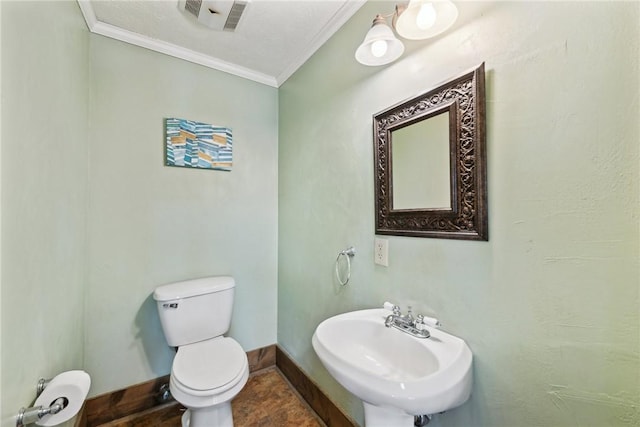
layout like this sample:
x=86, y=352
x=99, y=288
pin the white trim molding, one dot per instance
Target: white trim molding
x=340, y=17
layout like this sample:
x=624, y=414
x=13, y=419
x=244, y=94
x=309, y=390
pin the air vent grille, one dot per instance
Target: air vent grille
x=234, y=15
x=193, y=7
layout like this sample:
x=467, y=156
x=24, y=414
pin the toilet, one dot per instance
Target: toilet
x=209, y=369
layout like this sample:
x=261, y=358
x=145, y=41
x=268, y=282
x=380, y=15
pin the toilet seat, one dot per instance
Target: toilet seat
x=209, y=367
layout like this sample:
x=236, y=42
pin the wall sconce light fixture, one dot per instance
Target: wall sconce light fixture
x=380, y=45
x=416, y=20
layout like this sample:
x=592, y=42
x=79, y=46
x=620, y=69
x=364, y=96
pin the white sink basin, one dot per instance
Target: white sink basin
x=391, y=369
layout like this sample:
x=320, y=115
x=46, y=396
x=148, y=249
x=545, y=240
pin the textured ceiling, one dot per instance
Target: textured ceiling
x=273, y=38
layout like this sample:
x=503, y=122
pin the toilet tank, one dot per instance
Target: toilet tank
x=195, y=310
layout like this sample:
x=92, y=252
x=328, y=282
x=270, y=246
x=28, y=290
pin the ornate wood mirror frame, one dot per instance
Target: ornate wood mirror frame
x=466, y=217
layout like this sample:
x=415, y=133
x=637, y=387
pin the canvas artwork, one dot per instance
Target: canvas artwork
x=198, y=145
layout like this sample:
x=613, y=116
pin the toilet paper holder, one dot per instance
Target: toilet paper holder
x=30, y=415
x=57, y=400
x=42, y=384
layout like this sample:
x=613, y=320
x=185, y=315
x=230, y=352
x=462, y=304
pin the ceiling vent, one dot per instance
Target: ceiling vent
x=216, y=14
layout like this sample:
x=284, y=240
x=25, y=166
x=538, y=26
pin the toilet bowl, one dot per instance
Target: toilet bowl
x=206, y=376
x=209, y=369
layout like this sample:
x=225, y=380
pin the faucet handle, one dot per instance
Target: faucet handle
x=430, y=321
x=392, y=307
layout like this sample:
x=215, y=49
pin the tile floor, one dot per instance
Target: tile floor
x=267, y=400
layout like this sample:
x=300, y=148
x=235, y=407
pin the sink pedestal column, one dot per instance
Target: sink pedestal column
x=376, y=416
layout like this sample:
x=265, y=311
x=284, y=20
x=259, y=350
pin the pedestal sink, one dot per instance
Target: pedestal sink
x=396, y=375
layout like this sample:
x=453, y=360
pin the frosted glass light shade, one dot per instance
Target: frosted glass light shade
x=418, y=13
x=380, y=45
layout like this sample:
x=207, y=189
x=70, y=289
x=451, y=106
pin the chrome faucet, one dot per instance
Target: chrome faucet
x=392, y=317
x=416, y=327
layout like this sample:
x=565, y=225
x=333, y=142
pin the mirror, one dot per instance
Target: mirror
x=430, y=163
x=420, y=153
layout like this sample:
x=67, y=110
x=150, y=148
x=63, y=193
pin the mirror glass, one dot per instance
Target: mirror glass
x=420, y=167
x=430, y=163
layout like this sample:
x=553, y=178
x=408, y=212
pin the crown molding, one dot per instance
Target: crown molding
x=170, y=49
x=342, y=15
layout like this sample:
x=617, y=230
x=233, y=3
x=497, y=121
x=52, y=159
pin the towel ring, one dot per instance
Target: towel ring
x=348, y=254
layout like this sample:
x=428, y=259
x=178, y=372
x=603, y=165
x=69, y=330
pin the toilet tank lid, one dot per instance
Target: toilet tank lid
x=190, y=288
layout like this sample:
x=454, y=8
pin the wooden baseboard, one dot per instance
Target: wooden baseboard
x=141, y=397
x=327, y=410
x=262, y=358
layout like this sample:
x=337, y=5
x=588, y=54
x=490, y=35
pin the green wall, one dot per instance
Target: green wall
x=45, y=76
x=150, y=224
x=93, y=221
x=549, y=306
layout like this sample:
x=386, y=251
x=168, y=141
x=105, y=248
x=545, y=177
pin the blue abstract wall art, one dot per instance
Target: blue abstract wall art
x=198, y=145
